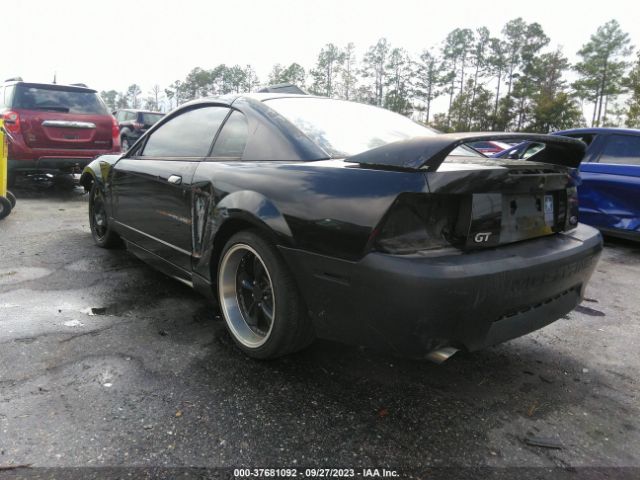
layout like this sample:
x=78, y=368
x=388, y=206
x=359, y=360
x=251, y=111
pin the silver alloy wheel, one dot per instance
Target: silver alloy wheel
x=124, y=145
x=246, y=295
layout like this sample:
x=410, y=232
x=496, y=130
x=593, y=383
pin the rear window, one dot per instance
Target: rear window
x=344, y=128
x=58, y=100
x=151, y=118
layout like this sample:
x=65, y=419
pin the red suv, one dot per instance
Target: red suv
x=55, y=128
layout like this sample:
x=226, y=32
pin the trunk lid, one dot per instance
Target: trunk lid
x=507, y=201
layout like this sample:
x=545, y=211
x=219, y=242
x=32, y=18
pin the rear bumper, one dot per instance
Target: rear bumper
x=414, y=304
x=52, y=164
x=25, y=159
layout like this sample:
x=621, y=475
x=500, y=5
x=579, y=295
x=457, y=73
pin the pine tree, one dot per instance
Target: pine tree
x=326, y=71
x=602, y=67
x=348, y=73
x=429, y=81
x=632, y=82
x=374, y=66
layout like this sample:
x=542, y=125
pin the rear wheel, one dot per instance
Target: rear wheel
x=64, y=182
x=262, y=308
x=125, y=144
x=101, y=231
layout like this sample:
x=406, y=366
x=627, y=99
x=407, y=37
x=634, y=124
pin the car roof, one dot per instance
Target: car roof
x=52, y=86
x=601, y=130
x=229, y=98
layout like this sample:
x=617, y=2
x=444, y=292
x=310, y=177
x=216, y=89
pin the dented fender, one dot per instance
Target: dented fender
x=211, y=217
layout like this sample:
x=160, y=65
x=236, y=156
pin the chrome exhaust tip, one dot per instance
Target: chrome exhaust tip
x=441, y=355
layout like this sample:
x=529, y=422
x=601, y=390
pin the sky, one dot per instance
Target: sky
x=112, y=44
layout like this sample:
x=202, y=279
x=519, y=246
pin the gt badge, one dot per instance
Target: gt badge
x=482, y=237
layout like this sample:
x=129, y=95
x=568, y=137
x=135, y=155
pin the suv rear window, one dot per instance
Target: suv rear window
x=58, y=100
x=151, y=118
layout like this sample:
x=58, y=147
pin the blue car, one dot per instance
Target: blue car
x=610, y=190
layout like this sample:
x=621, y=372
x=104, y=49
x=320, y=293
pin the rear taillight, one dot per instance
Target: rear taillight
x=11, y=122
x=115, y=134
x=418, y=222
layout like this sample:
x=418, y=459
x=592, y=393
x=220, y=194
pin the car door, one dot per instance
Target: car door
x=610, y=186
x=228, y=148
x=152, y=185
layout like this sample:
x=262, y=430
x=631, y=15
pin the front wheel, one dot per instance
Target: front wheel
x=259, y=299
x=101, y=230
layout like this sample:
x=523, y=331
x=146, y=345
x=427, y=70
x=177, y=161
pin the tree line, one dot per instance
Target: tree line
x=511, y=81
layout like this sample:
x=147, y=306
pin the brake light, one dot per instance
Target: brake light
x=419, y=222
x=11, y=122
x=115, y=134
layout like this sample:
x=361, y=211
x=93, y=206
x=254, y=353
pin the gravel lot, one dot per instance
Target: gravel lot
x=150, y=377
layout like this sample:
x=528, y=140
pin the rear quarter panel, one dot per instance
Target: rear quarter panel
x=610, y=196
x=326, y=207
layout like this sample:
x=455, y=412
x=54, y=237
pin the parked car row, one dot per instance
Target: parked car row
x=61, y=128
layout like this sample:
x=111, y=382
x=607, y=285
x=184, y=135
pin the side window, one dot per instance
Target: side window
x=188, y=135
x=120, y=116
x=129, y=116
x=232, y=138
x=623, y=149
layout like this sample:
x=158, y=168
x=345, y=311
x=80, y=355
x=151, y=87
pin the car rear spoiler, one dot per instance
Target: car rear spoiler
x=428, y=153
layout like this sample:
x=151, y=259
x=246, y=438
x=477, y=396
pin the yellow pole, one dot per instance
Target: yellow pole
x=4, y=152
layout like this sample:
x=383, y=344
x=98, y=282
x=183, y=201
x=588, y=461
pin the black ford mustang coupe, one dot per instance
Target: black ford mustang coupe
x=309, y=217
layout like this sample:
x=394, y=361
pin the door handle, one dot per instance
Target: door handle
x=175, y=179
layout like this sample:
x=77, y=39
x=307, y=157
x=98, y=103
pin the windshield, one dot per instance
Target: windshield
x=58, y=100
x=345, y=128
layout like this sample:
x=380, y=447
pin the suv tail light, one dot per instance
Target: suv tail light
x=11, y=122
x=115, y=134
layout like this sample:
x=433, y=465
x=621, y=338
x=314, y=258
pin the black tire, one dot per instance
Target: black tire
x=125, y=144
x=289, y=329
x=12, y=199
x=5, y=207
x=101, y=231
x=64, y=182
